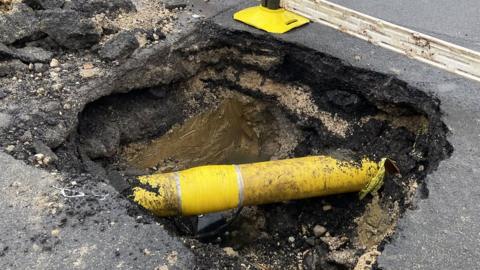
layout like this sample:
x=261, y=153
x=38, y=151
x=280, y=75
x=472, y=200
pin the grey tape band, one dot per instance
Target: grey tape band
x=240, y=185
x=179, y=192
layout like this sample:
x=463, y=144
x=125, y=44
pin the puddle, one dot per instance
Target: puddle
x=238, y=131
x=236, y=101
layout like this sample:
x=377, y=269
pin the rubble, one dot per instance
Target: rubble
x=18, y=25
x=319, y=230
x=119, y=46
x=44, y=4
x=33, y=55
x=12, y=67
x=92, y=7
x=70, y=29
x=175, y=4
x=48, y=156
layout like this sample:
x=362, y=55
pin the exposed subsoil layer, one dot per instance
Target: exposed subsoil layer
x=251, y=100
x=232, y=97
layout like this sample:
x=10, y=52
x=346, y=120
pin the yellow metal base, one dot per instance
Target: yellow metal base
x=276, y=21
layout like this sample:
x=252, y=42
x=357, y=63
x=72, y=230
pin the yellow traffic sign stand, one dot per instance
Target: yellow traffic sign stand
x=270, y=17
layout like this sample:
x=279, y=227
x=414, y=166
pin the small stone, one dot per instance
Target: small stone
x=88, y=73
x=34, y=55
x=36, y=248
x=3, y=94
x=39, y=67
x=16, y=184
x=54, y=63
x=41, y=91
x=147, y=252
x=346, y=258
x=327, y=207
x=175, y=4
x=27, y=136
x=142, y=40
x=88, y=66
x=47, y=160
x=421, y=168
x=54, y=75
x=67, y=106
x=291, y=239
x=57, y=86
x=319, y=230
x=10, y=148
x=230, y=252
x=31, y=66
x=334, y=243
x=119, y=46
x=55, y=232
x=310, y=241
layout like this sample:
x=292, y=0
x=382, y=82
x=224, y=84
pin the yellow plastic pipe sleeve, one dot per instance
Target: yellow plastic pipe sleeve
x=214, y=188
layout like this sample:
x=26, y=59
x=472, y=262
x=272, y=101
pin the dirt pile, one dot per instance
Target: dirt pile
x=33, y=31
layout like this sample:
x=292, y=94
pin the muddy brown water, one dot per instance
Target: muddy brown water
x=236, y=132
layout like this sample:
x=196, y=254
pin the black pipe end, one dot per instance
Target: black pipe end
x=271, y=4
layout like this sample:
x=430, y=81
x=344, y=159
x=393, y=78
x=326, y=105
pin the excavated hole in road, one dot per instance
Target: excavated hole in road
x=252, y=100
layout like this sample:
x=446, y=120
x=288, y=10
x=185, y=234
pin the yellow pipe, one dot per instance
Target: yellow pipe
x=215, y=188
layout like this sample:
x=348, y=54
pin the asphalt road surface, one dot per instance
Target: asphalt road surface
x=443, y=232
